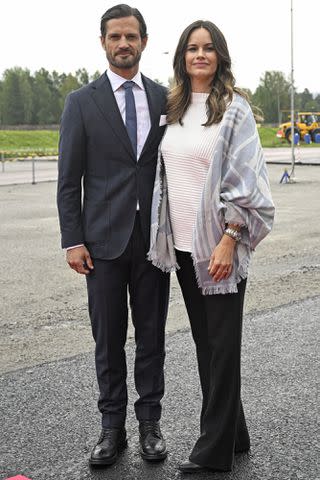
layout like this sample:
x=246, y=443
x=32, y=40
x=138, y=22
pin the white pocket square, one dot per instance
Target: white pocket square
x=163, y=120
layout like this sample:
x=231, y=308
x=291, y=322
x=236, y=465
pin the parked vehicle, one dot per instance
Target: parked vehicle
x=305, y=122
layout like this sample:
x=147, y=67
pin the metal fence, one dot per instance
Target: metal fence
x=20, y=169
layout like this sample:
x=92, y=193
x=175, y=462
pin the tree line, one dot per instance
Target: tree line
x=273, y=98
x=38, y=99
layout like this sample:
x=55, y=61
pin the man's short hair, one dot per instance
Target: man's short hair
x=120, y=11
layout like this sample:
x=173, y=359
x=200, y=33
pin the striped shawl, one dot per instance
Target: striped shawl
x=236, y=191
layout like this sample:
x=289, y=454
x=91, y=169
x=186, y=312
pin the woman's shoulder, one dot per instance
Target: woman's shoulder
x=237, y=107
x=238, y=114
x=240, y=101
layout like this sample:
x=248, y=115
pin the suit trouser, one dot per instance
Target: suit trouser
x=216, y=324
x=148, y=287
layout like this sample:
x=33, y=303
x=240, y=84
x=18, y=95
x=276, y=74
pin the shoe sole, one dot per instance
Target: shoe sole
x=108, y=461
x=154, y=458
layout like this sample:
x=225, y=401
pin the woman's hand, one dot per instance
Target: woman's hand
x=221, y=261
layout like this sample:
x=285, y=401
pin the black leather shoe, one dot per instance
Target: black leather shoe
x=110, y=444
x=152, y=443
x=190, y=467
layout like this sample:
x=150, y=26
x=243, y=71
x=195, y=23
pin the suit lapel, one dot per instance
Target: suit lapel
x=104, y=99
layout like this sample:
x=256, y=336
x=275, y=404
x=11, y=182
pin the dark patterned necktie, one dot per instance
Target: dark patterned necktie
x=131, y=115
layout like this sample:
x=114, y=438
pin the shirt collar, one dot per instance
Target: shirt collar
x=116, y=80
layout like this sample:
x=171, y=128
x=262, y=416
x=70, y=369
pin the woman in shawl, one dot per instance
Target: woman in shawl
x=211, y=207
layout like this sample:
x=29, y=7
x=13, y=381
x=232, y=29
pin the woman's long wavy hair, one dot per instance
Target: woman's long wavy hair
x=223, y=83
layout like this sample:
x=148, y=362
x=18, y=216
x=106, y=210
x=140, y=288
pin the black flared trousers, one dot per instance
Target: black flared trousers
x=216, y=325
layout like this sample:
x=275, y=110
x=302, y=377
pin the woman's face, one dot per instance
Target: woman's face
x=200, y=57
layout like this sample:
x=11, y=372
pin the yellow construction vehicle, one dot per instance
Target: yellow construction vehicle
x=305, y=122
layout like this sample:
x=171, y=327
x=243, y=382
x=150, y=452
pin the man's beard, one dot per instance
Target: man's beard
x=124, y=62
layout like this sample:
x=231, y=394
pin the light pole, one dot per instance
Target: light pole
x=292, y=101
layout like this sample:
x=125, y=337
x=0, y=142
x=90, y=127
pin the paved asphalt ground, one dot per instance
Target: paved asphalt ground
x=50, y=422
x=48, y=415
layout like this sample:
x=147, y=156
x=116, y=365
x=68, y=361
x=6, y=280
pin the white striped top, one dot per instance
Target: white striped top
x=187, y=152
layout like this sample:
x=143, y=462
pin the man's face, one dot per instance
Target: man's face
x=123, y=44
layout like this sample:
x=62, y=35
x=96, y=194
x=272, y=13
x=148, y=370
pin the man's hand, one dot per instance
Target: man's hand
x=79, y=260
x=221, y=260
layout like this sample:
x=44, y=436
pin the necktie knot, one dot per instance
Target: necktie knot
x=128, y=84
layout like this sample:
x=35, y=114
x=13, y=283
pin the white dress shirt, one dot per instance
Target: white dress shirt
x=142, y=110
x=141, y=101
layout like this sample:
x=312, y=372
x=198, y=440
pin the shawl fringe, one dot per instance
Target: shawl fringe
x=157, y=263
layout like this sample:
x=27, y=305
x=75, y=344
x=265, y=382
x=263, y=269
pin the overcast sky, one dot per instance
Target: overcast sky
x=63, y=35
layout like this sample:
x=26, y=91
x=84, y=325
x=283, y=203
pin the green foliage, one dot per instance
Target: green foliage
x=24, y=143
x=268, y=137
x=273, y=95
x=28, y=142
x=16, y=96
x=95, y=76
x=68, y=84
x=306, y=103
x=36, y=99
x=45, y=98
x=82, y=76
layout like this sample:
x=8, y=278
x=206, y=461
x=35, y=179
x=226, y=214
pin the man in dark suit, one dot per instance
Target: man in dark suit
x=110, y=132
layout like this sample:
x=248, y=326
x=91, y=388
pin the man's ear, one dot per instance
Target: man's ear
x=144, y=42
x=103, y=42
